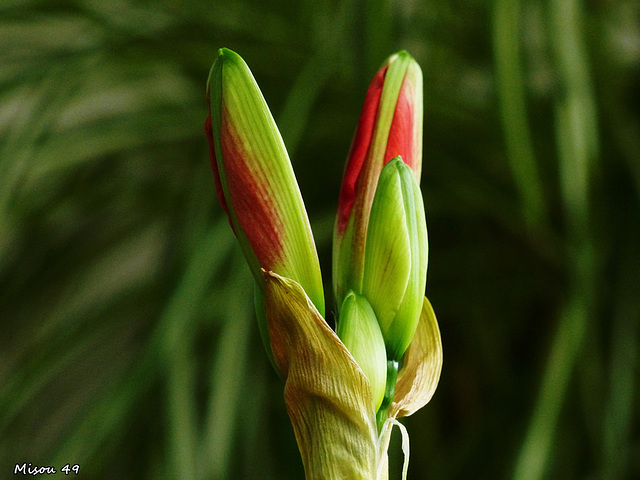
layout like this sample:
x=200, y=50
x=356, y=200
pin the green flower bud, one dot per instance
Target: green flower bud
x=359, y=330
x=254, y=179
x=395, y=268
x=256, y=185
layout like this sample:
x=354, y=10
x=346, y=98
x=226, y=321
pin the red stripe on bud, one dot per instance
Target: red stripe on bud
x=402, y=139
x=252, y=201
x=214, y=166
x=359, y=149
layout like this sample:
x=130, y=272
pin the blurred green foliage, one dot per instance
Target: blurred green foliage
x=127, y=339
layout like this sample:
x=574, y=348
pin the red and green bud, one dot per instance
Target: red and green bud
x=359, y=330
x=396, y=256
x=254, y=179
x=390, y=125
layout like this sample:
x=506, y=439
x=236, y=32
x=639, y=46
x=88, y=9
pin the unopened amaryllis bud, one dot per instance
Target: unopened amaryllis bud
x=255, y=181
x=359, y=330
x=390, y=125
x=395, y=267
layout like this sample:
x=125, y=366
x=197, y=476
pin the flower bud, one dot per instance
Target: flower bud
x=359, y=330
x=254, y=179
x=390, y=125
x=395, y=267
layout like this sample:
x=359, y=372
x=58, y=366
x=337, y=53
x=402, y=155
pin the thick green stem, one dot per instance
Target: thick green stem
x=390, y=390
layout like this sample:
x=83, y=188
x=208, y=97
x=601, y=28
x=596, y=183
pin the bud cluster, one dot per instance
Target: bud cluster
x=380, y=240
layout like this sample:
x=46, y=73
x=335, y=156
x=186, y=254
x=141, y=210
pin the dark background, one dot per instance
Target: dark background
x=127, y=339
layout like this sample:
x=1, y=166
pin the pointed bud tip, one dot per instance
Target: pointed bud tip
x=395, y=166
x=397, y=161
x=226, y=54
x=401, y=56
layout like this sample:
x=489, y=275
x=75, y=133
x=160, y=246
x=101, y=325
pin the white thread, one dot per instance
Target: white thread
x=405, y=447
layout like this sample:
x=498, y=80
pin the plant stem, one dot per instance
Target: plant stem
x=390, y=390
